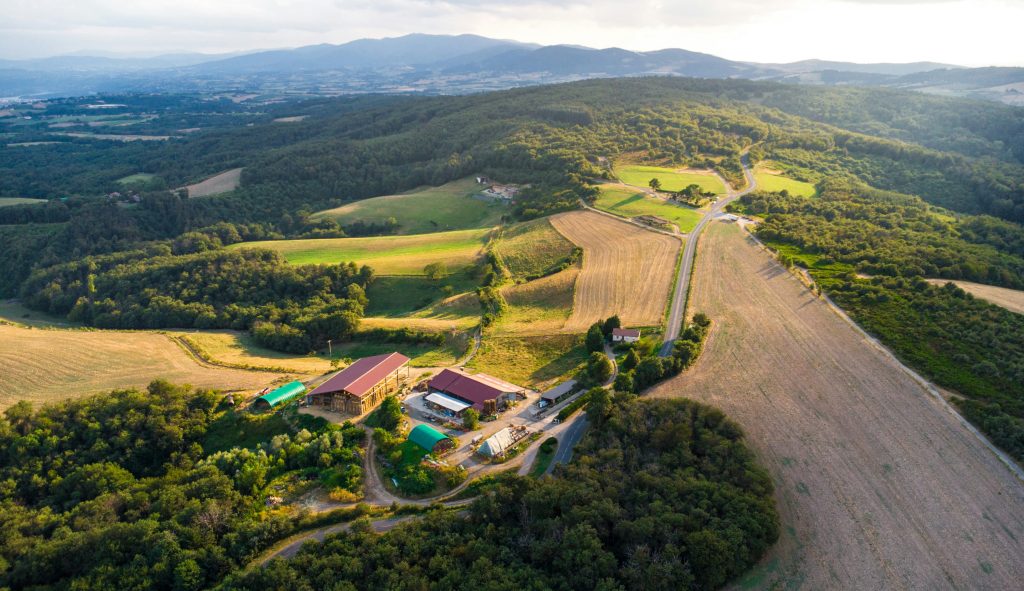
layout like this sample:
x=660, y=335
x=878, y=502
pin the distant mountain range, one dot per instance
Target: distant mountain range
x=461, y=64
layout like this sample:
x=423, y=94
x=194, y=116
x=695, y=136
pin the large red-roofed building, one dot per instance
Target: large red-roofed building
x=360, y=387
x=475, y=389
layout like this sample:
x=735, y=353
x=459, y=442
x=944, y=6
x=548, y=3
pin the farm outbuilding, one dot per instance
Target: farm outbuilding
x=430, y=439
x=360, y=387
x=475, y=390
x=279, y=395
x=497, y=444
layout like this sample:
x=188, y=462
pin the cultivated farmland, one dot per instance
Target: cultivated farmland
x=1011, y=299
x=430, y=209
x=388, y=255
x=42, y=365
x=626, y=270
x=877, y=483
x=216, y=184
x=671, y=179
x=532, y=248
x=629, y=202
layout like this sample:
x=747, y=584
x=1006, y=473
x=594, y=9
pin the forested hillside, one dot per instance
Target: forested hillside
x=550, y=137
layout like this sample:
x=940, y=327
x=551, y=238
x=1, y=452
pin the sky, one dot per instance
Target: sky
x=964, y=32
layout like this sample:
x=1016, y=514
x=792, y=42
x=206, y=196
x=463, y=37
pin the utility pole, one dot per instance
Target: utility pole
x=330, y=351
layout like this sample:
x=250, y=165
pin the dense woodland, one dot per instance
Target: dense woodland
x=660, y=495
x=289, y=308
x=151, y=489
x=870, y=250
x=165, y=488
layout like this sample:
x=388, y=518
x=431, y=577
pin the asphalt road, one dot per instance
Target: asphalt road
x=678, y=309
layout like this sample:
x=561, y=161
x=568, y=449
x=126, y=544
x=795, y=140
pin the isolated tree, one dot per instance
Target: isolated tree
x=624, y=381
x=389, y=414
x=647, y=373
x=609, y=325
x=655, y=184
x=631, y=360
x=599, y=367
x=470, y=419
x=436, y=271
x=595, y=338
x=599, y=406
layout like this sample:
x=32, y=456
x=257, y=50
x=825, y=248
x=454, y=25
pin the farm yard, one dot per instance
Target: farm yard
x=1011, y=299
x=671, y=179
x=629, y=202
x=388, y=255
x=424, y=210
x=216, y=184
x=773, y=181
x=627, y=271
x=878, y=485
x=43, y=365
x=531, y=249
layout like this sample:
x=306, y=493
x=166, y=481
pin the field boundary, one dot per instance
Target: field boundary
x=202, y=357
x=925, y=384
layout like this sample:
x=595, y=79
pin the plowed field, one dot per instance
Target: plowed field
x=878, y=484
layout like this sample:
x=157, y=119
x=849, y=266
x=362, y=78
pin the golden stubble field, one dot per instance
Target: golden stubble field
x=626, y=270
x=42, y=365
x=878, y=485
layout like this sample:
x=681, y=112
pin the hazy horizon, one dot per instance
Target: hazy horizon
x=961, y=32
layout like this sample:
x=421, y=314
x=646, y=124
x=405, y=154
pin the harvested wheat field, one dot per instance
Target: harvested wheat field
x=626, y=270
x=1011, y=299
x=216, y=184
x=541, y=306
x=878, y=485
x=41, y=365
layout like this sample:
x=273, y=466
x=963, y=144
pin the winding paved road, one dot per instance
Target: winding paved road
x=678, y=309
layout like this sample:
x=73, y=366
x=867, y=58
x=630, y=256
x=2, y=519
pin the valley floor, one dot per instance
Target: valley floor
x=878, y=485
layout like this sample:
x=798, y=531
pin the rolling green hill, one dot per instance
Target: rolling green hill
x=451, y=206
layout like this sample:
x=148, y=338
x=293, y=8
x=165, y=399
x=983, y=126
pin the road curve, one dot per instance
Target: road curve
x=678, y=306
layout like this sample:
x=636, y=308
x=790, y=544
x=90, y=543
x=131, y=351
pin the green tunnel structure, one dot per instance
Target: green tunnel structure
x=282, y=394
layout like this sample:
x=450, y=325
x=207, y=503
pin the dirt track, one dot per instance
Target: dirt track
x=878, y=486
x=626, y=270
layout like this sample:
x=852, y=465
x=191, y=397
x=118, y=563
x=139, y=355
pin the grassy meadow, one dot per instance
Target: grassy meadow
x=531, y=249
x=774, y=182
x=425, y=210
x=671, y=179
x=5, y=201
x=533, y=361
x=630, y=203
x=387, y=255
x=139, y=177
x=541, y=306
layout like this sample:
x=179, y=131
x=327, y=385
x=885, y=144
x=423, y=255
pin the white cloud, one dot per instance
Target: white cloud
x=972, y=32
